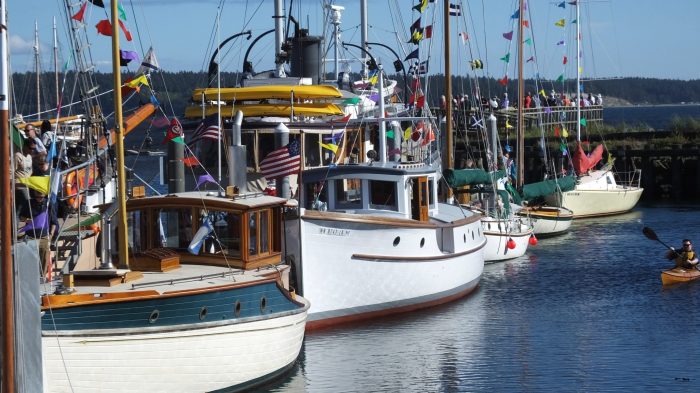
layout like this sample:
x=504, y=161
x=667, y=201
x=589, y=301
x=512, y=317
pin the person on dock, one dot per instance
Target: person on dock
x=686, y=257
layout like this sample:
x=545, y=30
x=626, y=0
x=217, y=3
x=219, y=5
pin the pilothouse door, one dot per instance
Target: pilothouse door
x=420, y=200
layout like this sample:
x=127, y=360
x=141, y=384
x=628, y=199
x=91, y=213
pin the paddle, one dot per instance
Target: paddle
x=650, y=234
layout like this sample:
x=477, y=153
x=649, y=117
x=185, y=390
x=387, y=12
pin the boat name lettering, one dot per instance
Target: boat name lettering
x=334, y=232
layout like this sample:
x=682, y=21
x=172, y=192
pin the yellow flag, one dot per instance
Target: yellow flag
x=565, y=133
x=407, y=133
x=141, y=80
x=580, y=70
x=508, y=124
x=542, y=92
x=560, y=23
x=331, y=147
x=373, y=80
x=38, y=183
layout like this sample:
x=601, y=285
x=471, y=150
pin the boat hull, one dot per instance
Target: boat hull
x=357, y=270
x=499, y=232
x=225, y=353
x=679, y=275
x=548, y=221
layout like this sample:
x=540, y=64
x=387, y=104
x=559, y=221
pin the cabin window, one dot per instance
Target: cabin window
x=431, y=189
x=136, y=229
x=348, y=194
x=226, y=236
x=259, y=232
x=174, y=227
x=383, y=195
x=316, y=196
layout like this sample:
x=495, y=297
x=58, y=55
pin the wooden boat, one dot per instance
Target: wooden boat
x=280, y=92
x=679, y=275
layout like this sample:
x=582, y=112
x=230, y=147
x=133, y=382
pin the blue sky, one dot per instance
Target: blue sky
x=646, y=38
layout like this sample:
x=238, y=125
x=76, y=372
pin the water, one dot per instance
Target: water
x=655, y=116
x=582, y=312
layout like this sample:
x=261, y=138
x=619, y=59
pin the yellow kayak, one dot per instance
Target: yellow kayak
x=678, y=275
x=280, y=92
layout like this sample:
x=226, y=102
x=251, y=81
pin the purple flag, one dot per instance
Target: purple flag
x=374, y=97
x=508, y=35
x=126, y=56
x=39, y=222
x=547, y=110
x=560, y=42
x=204, y=179
x=334, y=138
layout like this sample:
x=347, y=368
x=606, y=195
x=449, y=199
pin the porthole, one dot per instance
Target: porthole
x=397, y=241
x=472, y=235
x=263, y=304
x=202, y=313
x=237, y=309
x=465, y=237
x=489, y=226
x=422, y=242
x=154, y=316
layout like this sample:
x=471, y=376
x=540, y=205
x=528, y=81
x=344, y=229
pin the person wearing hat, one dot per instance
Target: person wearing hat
x=23, y=169
x=42, y=221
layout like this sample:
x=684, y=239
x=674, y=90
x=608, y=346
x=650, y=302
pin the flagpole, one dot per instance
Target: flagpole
x=448, y=91
x=218, y=99
x=520, y=180
x=122, y=236
x=578, y=76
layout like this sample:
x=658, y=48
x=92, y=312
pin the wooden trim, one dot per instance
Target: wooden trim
x=395, y=222
x=392, y=258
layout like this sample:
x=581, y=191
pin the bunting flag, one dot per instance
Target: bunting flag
x=574, y=21
x=526, y=23
x=506, y=58
x=174, y=132
x=52, y=150
x=104, y=27
x=573, y=2
x=282, y=162
x=149, y=63
x=476, y=64
x=416, y=36
x=207, y=129
x=562, y=147
x=205, y=179
x=98, y=3
x=136, y=82
x=390, y=134
x=508, y=35
x=528, y=41
x=345, y=118
x=564, y=133
x=334, y=138
x=566, y=60
x=331, y=147
x=464, y=37
x=562, y=4
x=560, y=23
x=503, y=81
x=373, y=78
x=17, y=137
x=423, y=67
x=508, y=125
x=429, y=136
x=190, y=161
x=420, y=7
x=122, y=13
x=352, y=101
x=38, y=183
x=560, y=78
x=127, y=56
x=455, y=10
x=415, y=26
x=556, y=132
x=583, y=122
x=80, y=15
x=160, y=122
x=412, y=55
x=531, y=58
x=542, y=93
x=407, y=133
x=516, y=14
x=561, y=42
x=41, y=221
x=428, y=32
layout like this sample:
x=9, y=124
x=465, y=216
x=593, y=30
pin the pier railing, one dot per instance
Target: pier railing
x=550, y=116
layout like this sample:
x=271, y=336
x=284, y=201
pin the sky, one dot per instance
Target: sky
x=620, y=38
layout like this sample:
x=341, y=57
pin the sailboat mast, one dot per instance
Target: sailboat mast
x=37, y=68
x=578, y=75
x=6, y=214
x=218, y=94
x=363, y=37
x=279, y=38
x=520, y=177
x=55, y=60
x=123, y=244
x=448, y=91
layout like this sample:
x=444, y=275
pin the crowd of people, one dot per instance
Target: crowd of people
x=530, y=100
x=32, y=208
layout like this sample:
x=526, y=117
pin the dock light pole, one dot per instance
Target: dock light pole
x=398, y=66
x=212, y=70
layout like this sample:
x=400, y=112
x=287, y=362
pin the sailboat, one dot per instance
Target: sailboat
x=199, y=301
x=597, y=191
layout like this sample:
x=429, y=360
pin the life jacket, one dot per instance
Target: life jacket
x=684, y=257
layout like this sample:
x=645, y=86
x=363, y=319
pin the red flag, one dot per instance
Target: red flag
x=429, y=136
x=526, y=23
x=191, y=161
x=80, y=14
x=345, y=119
x=104, y=27
x=503, y=81
x=174, y=131
x=556, y=131
x=566, y=60
x=428, y=32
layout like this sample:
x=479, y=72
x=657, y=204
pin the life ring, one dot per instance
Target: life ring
x=73, y=184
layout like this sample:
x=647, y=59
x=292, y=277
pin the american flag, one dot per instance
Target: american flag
x=207, y=129
x=282, y=162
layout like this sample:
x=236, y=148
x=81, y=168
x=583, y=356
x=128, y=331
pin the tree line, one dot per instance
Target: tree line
x=174, y=89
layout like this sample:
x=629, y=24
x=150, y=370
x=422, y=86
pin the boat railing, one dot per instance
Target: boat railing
x=630, y=179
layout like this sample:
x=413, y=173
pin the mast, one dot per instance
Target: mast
x=578, y=75
x=279, y=38
x=448, y=91
x=123, y=245
x=363, y=37
x=218, y=94
x=37, y=68
x=55, y=61
x=6, y=214
x=520, y=180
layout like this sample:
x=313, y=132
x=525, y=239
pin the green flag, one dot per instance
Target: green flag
x=583, y=122
x=390, y=134
x=506, y=58
x=17, y=137
x=122, y=14
x=351, y=101
x=178, y=139
x=560, y=78
x=528, y=41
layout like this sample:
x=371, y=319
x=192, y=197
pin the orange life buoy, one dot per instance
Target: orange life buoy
x=72, y=186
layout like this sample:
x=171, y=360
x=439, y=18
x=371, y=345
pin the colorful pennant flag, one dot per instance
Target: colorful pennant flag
x=562, y=5
x=80, y=15
x=531, y=58
x=508, y=35
x=561, y=42
x=428, y=32
x=420, y=7
x=415, y=26
x=455, y=10
x=104, y=27
x=564, y=133
x=528, y=41
x=476, y=64
x=464, y=37
x=136, y=82
x=583, y=122
x=508, y=125
x=526, y=23
x=556, y=132
x=560, y=23
x=98, y=3
x=205, y=179
x=190, y=161
x=40, y=221
x=331, y=147
x=516, y=14
x=38, y=183
x=503, y=81
x=17, y=137
x=149, y=63
x=174, y=132
x=126, y=56
x=506, y=58
x=566, y=60
x=120, y=9
x=560, y=78
x=412, y=55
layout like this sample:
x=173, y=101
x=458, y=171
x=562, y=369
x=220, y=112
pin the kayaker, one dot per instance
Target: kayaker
x=686, y=257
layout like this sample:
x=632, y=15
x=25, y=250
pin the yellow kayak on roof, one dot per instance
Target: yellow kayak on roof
x=260, y=110
x=279, y=92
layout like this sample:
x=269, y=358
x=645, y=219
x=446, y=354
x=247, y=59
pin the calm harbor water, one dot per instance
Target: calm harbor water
x=582, y=312
x=655, y=116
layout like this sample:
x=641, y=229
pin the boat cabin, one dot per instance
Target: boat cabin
x=244, y=230
x=404, y=190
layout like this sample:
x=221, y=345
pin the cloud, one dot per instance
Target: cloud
x=19, y=45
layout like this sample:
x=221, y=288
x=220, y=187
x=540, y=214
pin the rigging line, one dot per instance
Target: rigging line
x=138, y=32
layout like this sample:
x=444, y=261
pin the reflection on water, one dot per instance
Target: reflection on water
x=581, y=312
